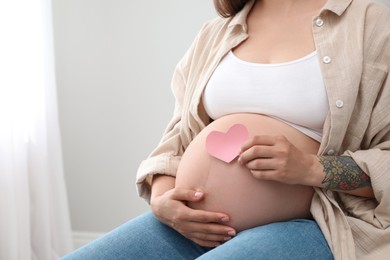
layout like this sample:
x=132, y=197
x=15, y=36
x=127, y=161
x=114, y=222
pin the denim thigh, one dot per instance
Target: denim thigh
x=296, y=239
x=141, y=238
x=146, y=238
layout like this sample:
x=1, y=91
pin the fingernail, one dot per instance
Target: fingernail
x=232, y=233
x=227, y=238
x=198, y=194
x=225, y=218
x=239, y=160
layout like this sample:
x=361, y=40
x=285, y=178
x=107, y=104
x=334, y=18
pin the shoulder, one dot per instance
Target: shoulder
x=379, y=10
x=216, y=27
x=371, y=9
x=377, y=17
x=372, y=19
x=220, y=29
x=209, y=39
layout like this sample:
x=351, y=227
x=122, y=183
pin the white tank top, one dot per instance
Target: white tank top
x=293, y=92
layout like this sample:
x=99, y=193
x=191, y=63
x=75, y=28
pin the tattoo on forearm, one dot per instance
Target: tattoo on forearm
x=342, y=173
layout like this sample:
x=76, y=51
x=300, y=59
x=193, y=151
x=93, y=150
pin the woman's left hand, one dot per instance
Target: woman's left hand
x=276, y=158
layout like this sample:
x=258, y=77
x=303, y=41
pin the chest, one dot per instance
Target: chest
x=292, y=91
x=275, y=40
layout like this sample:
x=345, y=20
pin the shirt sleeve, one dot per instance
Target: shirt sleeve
x=166, y=156
x=369, y=219
x=374, y=156
x=375, y=162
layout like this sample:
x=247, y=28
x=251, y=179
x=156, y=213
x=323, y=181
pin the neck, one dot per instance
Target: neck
x=289, y=6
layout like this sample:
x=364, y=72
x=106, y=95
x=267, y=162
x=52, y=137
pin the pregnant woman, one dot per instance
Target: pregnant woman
x=304, y=87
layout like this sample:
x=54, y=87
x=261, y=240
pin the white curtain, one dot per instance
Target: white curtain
x=34, y=217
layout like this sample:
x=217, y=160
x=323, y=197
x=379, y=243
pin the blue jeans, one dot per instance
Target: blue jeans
x=146, y=238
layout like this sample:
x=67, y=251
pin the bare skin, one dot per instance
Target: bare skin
x=279, y=31
x=230, y=188
x=202, y=227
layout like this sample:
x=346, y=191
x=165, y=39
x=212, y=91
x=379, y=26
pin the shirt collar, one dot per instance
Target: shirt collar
x=240, y=18
x=336, y=6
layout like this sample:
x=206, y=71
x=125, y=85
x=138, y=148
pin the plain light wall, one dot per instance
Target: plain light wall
x=115, y=60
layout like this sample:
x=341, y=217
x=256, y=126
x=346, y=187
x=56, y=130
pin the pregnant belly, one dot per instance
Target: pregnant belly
x=231, y=188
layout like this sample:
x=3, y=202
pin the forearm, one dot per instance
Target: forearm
x=162, y=183
x=341, y=174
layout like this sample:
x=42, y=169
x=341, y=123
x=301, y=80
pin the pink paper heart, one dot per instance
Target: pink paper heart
x=226, y=146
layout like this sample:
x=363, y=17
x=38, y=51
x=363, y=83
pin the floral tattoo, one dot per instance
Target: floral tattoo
x=342, y=173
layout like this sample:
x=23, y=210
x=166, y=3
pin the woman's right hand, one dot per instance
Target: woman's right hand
x=203, y=227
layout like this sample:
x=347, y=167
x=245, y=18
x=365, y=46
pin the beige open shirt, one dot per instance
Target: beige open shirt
x=352, y=38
